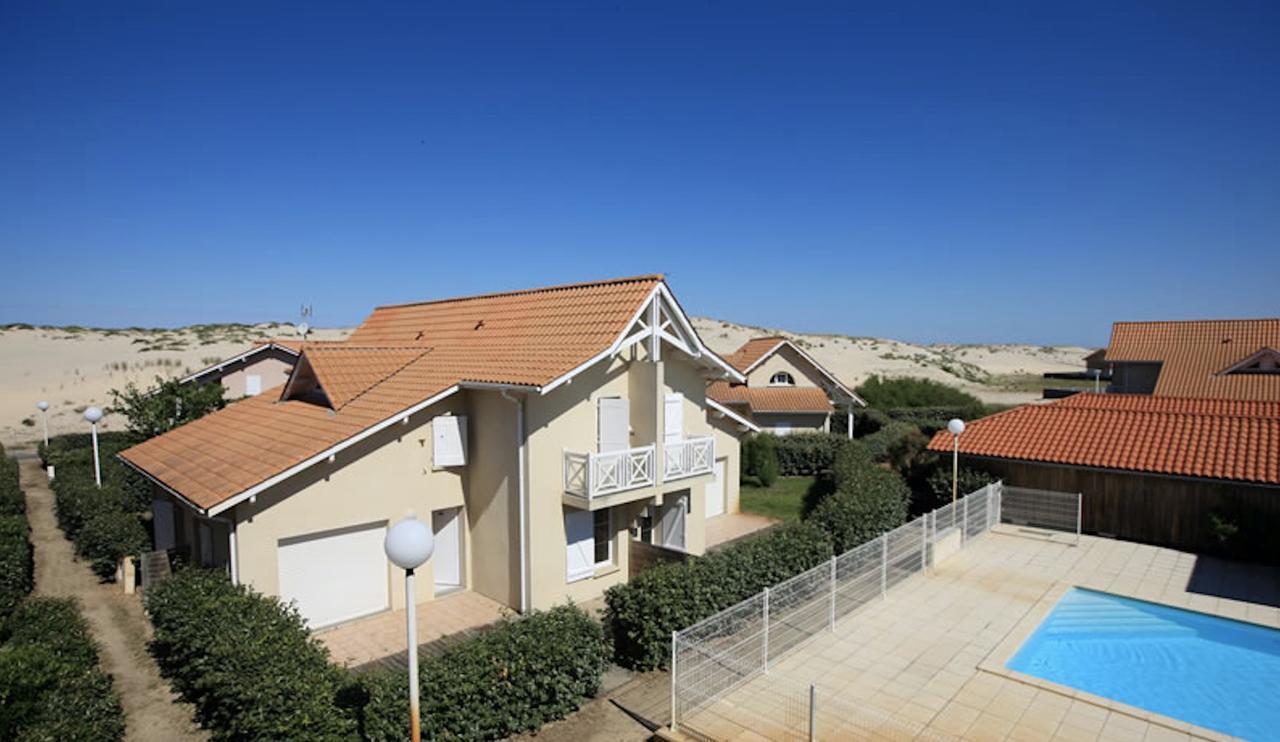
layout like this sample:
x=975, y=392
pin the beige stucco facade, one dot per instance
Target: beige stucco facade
x=266, y=368
x=787, y=360
x=379, y=479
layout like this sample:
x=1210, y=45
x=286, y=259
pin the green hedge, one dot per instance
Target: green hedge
x=512, y=679
x=245, y=660
x=897, y=444
x=642, y=613
x=51, y=686
x=802, y=454
x=863, y=508
x=16, y=568
x=939, y=482
x=12, y=501
x=104, y=523
x=760, y=458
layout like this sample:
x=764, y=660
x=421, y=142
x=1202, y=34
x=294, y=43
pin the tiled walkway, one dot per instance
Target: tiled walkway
x=381, y=638
x=927, y=662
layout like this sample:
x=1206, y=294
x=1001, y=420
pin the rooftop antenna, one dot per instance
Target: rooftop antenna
x=306, y=310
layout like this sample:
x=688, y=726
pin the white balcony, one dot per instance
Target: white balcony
x=688, y=457
x=592, y=475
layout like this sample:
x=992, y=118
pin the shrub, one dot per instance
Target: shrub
x=896, y=444
x=12, y=501
x=108, y=536
x=887, y=394
x=642, y=613
x=807, y=453
x=764, y=459
x=939, y=482
x=851, y=517
x=514, y=678
x=15, y=563
x=850, y=462
x=51, y=686
x=867, y=421
x=246, y=661
x=168, y=404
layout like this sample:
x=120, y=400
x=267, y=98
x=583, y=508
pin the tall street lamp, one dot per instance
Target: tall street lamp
x=956, y=426
x=93, y=415
x=409, y=545
x=43, y=406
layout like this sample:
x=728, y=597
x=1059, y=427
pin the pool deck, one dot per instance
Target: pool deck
x=928, y=661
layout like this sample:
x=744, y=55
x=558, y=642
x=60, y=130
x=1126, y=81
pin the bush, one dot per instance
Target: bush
x=760, y=458
x=15, y=563
x=888, y=394
x=165, y=406
x=939, y=482
x=642, y=613
x=12, y=501
x=807, y=453
x=51, y=686
x=869, y=420
x=851, y=517
x=514, y=678
x=108, y=536
x=896, y=444
x=246, y=661
x=850, y=462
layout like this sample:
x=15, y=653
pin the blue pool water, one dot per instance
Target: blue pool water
x=1212, y=672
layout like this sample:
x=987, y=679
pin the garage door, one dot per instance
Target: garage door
x=715, y=492
x=335, y=575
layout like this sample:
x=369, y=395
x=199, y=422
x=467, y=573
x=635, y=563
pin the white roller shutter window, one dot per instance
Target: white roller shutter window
x=580, y=545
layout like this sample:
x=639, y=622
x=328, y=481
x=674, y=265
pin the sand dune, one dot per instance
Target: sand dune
x=73, y=368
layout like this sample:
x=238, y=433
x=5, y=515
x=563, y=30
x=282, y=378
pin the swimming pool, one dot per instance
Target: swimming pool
x=1208, y=671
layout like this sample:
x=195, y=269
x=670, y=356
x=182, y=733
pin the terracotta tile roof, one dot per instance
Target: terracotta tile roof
x=400, y=357
x=1194, y=354
x=770, y=399
x=1211, y=438
x=753, y=350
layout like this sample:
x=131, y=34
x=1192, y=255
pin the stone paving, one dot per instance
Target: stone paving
x=381, y=638
x=928, y=661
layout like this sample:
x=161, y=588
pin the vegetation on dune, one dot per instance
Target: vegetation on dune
x=165, y=406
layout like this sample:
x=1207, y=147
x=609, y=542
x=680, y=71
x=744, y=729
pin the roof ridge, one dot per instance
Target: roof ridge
x=1192, y=321
x=356, y=346
x=539, y=290
x=386, y=378
x=1227, y=408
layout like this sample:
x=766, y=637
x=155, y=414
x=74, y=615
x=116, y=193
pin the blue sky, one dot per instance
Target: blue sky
x=970, y=172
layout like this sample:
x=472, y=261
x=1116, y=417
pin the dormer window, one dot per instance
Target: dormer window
x=1265, y=361
x=782, y=378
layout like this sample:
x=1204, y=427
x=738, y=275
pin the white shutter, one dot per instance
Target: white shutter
x=449, y=441
x=673, y=418
x=615, y=424
x=580, y=545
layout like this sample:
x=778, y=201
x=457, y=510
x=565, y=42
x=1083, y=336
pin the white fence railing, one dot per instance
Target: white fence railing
x=595, y=474
x=718, y=654
x=687, y=457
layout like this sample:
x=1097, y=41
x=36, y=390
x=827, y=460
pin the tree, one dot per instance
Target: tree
x=167, y=406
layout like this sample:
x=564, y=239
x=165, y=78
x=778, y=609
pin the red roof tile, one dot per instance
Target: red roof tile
x=1194, y=354
x=1211, y=438
x=771, y=399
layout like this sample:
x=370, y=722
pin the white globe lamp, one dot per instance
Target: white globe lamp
x=409, y=544
x=956, y=427
x=43, y=406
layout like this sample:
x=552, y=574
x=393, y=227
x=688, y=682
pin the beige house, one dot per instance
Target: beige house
x=546, y=435
x=784, y=389
x=264, y=366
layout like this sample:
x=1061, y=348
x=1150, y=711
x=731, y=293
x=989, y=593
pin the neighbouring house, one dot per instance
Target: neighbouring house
x=1208, y=359
x=1156, y=469
x=264, y=366
x=541, y=433
x=784, y=389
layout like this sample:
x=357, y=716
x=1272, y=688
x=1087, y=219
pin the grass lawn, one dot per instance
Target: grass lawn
x=782, y=500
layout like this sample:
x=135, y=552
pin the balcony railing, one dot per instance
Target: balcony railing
x=596, y=474
x=687, y=457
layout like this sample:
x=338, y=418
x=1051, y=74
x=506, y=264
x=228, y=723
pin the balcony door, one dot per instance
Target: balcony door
x=675, y=508
x=615, y=424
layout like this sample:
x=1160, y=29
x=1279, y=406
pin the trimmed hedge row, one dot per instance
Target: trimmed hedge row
x=858, y=513
x=246, y=661
x=51, y=686
x=514, y=678
x=104, y=523
x=803, y=454
x=16, y=567
x=642, y=613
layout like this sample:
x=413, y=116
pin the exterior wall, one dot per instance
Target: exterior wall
x=793, y=363
x=375, y=481
x=800, y=421
x=729, y=450
x=684, y=378
x=1166, y=511
x=274, y=366
x=493, y=507
x=1134, y=378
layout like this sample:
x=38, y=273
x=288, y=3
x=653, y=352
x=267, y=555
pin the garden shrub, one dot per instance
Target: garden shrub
x=12, y=501
x=862, y=508
x=807, y=453
x=511, y=679
x=888, y=394
x=108, y=536
x=642, y=613
x=850, y=462
x=896, y=444
x=868, y=420
x=246, y=661
x=166, y=405
x=939, y=481
x=51, y=685
x=764, y=458
x=16, y=567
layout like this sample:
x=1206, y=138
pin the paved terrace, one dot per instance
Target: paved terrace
x=927, y=662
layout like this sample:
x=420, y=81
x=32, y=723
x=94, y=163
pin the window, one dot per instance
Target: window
x=602, y=533
x=782, y=378
x=642, y=526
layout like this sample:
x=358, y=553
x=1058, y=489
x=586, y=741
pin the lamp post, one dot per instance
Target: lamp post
x=93, y=415
x=43, y=406
x=956, y=426
x=409, y=545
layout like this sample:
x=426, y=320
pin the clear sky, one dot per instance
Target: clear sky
x=970, y=172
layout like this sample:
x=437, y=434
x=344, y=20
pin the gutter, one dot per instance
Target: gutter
x=520, y=496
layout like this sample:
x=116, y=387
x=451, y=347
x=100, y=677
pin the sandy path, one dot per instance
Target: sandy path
x=117, y=621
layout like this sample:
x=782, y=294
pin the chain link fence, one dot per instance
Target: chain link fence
x=723, y=652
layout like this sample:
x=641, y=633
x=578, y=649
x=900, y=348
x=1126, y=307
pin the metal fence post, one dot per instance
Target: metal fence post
x=964, y=522
x=1079, y=514
x=813, y=712
x=675, y=637
x=766, y=629
x=833, y=593
x=924, y=542
x=884, y=564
